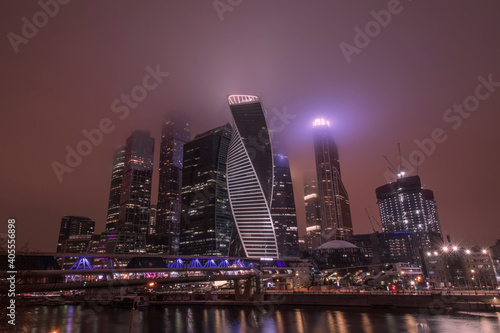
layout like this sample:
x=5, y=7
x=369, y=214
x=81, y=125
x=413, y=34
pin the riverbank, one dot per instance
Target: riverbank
x=430, y=301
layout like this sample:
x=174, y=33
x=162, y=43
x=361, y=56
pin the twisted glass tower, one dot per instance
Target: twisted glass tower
x=250, y=177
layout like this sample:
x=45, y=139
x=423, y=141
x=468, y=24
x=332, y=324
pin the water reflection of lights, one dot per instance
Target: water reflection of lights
x=243, y=321
x=69, y=325
x=190, y=320
x=166, y=319
x=342, y=325
x=205, y=320
x=367, y=324
x=391, y=321
x=331, y=321
x=411, y=324
x=298, y=321
x=280, y=325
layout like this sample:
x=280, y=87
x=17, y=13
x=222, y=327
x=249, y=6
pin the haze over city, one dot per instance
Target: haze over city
x=396, y=88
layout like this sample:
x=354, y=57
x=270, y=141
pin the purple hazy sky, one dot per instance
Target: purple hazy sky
x=63, y=77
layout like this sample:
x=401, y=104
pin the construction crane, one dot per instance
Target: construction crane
x=390, y=166
x=369, y=219
x=400, y=171
x=378, y=223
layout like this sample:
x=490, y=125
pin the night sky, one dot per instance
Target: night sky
x=397, y=87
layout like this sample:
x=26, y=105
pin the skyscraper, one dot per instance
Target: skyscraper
x=115, y=189
x=175, y=133
x=283, y=208
x=73, y=226
x=206, y=219
x=312, y=239
x=390, y=247
x=406, y=207
x=335, y=207
x=250, y=177
x=152, y=220
x=135, y=202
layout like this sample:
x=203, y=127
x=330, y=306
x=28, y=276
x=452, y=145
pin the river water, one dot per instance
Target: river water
x=280, y=319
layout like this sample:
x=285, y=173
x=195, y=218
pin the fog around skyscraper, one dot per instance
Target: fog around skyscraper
x=175, y=133
x=335, y=206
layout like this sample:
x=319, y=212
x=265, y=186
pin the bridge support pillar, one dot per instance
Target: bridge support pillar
x=237, y=290
x=259, y=293
x=258, y=283
x=248, y=293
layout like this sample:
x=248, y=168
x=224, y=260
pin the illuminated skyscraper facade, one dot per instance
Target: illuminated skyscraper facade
x=283, y=208
x=135, y=202
x=335, y=207
x=406, y=207
x=250, y=177
x=175, y=133
x=73, y=226
x=115, y=190
x=206, y=219
x=312, y=239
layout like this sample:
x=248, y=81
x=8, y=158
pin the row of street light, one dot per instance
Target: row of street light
x=454, y=248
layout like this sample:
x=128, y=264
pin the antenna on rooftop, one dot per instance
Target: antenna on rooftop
x=401, y=172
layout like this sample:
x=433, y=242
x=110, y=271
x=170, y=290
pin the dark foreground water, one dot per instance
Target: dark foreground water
x=282, y=319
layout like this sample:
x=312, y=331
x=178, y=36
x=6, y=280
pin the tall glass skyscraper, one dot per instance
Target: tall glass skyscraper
x=115, y=189
x=206, y=219
x=312, y=239
x=73, y=226
x=250, y=177
x=406, y=207
x=135, y=202
x=335, y=207
x=175, y=133
x=283, y=208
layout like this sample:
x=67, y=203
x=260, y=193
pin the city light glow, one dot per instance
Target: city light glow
x=321, y=122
